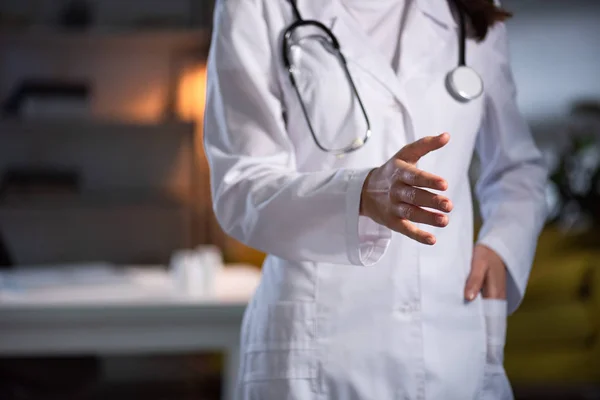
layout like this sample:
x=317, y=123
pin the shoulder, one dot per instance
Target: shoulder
x=257, y=13
x=232, y=7
x=494, y=49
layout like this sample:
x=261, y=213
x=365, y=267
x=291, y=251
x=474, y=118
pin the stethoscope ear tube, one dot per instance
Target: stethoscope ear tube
x=463, y=83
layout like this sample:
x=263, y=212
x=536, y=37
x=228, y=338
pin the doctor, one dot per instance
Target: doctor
x=325, y=132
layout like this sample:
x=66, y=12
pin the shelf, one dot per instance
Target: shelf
x=91, y=200
x=14, y=127
x=171, y=39
x=37, y=233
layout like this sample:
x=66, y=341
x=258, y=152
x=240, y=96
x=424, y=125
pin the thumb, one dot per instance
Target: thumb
x=476, y=278
x=411, y=153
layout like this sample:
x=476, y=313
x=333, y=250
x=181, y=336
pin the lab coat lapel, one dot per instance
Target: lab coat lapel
x=438, y=11
x=430, y=29
x=356, y=46
x=360, y=52
x=426, y=31
x=429, y=52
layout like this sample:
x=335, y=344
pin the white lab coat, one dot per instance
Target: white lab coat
x=347, y=309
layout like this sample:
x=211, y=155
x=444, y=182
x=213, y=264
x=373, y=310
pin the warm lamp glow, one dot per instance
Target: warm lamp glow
x=191, y=93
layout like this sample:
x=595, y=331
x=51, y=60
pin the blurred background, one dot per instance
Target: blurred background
x=115, y=280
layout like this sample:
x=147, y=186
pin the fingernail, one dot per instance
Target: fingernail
x=471, y=296
x=445, y=205
x=441, y=219
x=431, y=240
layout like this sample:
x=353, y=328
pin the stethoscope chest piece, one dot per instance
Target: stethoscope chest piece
x=464, y=84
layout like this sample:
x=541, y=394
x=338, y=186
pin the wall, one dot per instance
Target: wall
x=132, y=76
x=555, y=56
x=553, y=47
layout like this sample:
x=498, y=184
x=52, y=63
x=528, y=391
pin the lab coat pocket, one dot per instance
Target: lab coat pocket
x=280, y=356
x=495, y=384
x=266, y=365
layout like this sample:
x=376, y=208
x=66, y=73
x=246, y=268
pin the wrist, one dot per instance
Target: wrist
x=362, y=209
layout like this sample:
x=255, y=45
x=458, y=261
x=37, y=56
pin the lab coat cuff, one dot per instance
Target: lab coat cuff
x=366, y=240
x=515, y=284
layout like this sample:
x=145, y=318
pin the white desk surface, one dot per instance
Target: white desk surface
x=131, y=311
x=143, y=314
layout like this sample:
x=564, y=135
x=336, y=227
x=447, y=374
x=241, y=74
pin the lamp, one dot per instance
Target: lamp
x=191, y=91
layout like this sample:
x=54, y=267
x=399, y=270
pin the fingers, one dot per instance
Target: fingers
x=494, y=286
x=416, y=214
x=476, y=279
x=414, y=151
x=406, y=203
x=421, y=198
x=412, y=176
x=411, y=231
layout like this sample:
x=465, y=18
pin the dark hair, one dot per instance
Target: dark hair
x=482, y=15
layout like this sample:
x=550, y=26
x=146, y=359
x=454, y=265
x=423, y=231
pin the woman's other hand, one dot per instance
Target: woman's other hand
x=488, y=275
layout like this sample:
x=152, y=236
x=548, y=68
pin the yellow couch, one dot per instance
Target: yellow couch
x=554, y=336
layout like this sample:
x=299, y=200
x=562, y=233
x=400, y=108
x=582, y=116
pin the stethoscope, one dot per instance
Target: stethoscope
x=463, y=83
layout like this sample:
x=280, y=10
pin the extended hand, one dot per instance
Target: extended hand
x=392, y=194
x=488, y=275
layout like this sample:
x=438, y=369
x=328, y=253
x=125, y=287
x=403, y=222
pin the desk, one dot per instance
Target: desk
x=143, y=328
x=104, y=311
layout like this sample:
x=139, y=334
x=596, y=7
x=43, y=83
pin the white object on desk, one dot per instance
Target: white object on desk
x=194, y=271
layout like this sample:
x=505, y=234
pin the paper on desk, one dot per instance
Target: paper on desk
x=49, y=276
x=92, y=284
x=102, y=283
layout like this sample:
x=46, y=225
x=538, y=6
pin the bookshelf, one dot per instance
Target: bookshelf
x=141, y=194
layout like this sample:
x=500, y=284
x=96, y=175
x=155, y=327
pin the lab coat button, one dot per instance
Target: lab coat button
x=409, y=308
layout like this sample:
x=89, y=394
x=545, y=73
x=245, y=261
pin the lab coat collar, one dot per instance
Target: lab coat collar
x=325, y=11
x=439, y=11
x=359, y=50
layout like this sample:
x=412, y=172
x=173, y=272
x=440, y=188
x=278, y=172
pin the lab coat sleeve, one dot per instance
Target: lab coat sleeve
x=511, y=187
x=259, y=197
